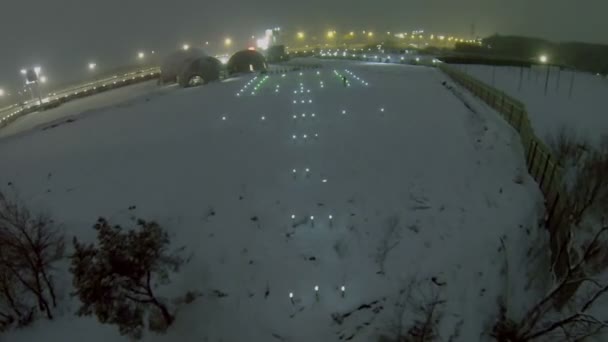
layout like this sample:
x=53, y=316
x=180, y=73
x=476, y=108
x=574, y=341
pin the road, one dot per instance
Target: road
x=13, y=112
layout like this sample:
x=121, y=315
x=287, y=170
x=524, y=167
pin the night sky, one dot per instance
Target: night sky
x=64, y=35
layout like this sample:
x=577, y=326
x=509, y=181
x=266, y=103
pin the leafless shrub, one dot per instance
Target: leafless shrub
x=567, y=146
x=543, y=320
x=589, y=188
x=418, y=311
x=585, y=172
x=390, y=240
x=29, y=245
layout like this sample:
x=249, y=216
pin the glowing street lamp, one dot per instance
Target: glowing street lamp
x=300, y=35
x=92, y=66
x=228, y=42
x=352, y=34
x=331, y=34
x=543, y=59
x=43, y=79
x=370, y=34
x=186, y=47
x=141, y=55
x=2, y=93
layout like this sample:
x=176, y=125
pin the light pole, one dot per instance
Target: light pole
x=544, y=59
x=34, y=76
x=92, y=67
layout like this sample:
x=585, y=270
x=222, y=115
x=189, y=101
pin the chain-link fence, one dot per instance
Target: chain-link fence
x=542, y=166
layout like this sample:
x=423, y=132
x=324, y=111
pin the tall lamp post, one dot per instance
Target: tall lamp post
x=33, y=78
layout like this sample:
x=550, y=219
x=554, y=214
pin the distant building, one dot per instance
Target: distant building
x=276, y=53
x=190, y=67
x=247, y=61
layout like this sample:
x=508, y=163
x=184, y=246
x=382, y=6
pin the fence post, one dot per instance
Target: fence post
x=532, y=157
x=529, y=153
x=542, y=178
x=552, y=210
x=521, y=120
x=551, y=177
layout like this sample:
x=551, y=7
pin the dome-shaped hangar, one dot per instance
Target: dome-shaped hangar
x=246, y=61
x=200, y=71
x=189, y=67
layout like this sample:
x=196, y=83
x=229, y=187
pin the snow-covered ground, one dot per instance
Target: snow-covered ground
x=583, y=109
x=396, y=176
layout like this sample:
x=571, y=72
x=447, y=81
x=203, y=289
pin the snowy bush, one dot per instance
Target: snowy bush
x=115, y=279
x=29, y=245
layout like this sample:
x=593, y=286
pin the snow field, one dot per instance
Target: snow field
x=416, y=186
x=581, y=109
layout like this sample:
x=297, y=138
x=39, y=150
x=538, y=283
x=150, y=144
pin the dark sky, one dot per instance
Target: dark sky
x=64, y=35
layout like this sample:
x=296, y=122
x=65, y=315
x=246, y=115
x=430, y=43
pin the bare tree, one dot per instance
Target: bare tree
x=29, y=245
x=543, y=319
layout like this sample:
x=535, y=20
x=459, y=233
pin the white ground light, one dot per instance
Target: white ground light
x=424, y=190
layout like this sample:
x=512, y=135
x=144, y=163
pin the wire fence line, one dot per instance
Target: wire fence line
x=542, y=165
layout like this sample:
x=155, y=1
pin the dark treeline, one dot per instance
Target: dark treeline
x=581, y=56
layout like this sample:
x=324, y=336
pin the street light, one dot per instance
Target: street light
x=543, y=58
x=92, y=66
x=2, y=93
x=141, y=55
x=330, y=34
x=301, y=35
x=186, y=47
x=43, y=79
x=228, y=42
x=370, y=34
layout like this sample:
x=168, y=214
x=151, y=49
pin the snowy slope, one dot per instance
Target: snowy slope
x=583, y=109
x=77, y=107
x=416, y=184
